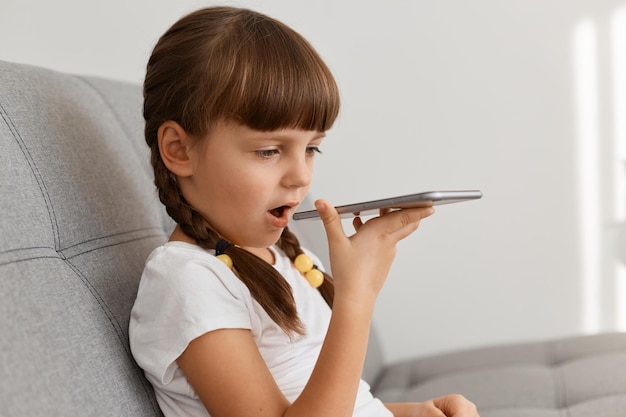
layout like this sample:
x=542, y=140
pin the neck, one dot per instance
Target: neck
x=179, y=236
x=264, y=253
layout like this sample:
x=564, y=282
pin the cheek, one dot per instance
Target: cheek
x=241, y=177
x=243, y=189
x=238, y=183
x=225, y=176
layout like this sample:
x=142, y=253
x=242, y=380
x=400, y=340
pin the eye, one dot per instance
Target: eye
x=312, y=150
x=267, y=153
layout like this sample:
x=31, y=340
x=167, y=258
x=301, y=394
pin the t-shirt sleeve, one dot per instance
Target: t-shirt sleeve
x=182, y=295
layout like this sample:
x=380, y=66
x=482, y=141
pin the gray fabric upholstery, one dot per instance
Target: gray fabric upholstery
x=79, y=217
x=578, y=376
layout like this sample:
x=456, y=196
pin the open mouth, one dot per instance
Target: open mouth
x=278, y=211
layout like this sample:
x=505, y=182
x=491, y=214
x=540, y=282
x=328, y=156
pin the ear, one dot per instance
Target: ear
x=174, y=146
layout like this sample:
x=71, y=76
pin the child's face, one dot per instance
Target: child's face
x=248, y=183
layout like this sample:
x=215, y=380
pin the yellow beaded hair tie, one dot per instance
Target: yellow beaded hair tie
x=305, y=265
x=220, y=252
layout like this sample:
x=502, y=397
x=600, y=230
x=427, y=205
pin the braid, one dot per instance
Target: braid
x=216, y=65
x=289, y=244
x=266, y=285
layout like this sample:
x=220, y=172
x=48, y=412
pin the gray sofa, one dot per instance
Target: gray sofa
x=80, y=215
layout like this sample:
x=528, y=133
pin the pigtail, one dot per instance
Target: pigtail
x=289, y=244
x=217, y=64
x=266, y=285
x=268, y=288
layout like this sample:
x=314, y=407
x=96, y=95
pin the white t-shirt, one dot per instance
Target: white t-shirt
x=186, y=292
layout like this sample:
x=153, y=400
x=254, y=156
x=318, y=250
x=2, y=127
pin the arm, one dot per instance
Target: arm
x=228, y=373
x=233, y=379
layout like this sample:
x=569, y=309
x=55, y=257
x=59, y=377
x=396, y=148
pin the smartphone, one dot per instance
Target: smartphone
x=425, y=199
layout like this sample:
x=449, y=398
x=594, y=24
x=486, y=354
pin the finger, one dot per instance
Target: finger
x=331, y=220
x=406, y=221
x=357, y=223
x=431, y=410
x=455, y=405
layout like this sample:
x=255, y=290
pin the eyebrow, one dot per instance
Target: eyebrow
x=268, y=136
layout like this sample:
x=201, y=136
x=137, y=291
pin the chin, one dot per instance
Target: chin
x=272, y=241
x=269, y=239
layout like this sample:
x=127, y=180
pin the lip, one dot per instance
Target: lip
x=282, y=221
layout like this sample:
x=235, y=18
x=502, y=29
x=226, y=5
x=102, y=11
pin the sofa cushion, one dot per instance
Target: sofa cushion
x=79, y=217
x=578, y=376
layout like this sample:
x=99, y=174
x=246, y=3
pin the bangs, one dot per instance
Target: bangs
x=276, y=81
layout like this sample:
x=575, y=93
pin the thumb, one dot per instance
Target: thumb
x=331, y=220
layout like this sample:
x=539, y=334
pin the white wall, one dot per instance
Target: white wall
x=518, y=98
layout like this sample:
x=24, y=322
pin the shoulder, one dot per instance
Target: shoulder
x=184, y=292
x=173, y=255
x=183, y=267
x=184, y=283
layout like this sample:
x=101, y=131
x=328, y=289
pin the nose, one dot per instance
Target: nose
x=299, y=173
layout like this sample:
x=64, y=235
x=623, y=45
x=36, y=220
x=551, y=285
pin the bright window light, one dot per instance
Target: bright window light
x=618, y=56
x=586, y=89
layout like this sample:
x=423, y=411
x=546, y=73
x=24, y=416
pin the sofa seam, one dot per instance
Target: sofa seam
x=119, y=331
x=557, y=377
x=27, y=248
x=600, y=397
x=115, y=324
x=87, y=80
x=62, y=256
x=30, y=259
x=110, y=106
x=36, y=173
x=110, y=245
x=55, y=252
x=114, y=235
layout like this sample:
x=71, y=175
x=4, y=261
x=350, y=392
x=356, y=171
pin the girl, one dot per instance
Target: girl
x=229, y=320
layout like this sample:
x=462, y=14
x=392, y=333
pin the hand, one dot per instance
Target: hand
x=455, y=406
x=360, y=263
x=448, y=406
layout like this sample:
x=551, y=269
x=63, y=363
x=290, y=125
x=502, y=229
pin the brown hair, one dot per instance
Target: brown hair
x=230, y=64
